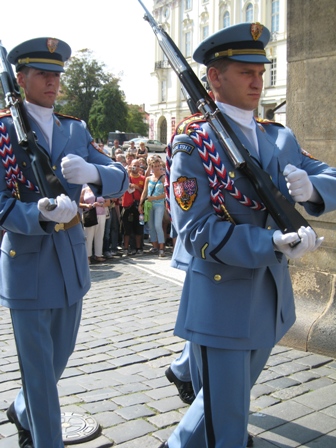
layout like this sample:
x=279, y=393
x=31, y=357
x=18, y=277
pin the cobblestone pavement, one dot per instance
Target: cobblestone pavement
x=125, y=343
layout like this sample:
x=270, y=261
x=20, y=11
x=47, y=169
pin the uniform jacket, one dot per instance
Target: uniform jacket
x=39, y=267
x=237, y=293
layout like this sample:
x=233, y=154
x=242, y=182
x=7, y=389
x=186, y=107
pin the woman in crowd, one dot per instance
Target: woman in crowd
x=142, y=151
x=95, y=234
x=154, y=193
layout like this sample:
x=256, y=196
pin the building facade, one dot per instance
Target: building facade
x=188, y=22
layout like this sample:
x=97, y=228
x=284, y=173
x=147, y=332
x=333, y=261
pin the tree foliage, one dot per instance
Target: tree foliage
x=109, y=111
x=135, y=120
x=80, y=84
x=87, y=92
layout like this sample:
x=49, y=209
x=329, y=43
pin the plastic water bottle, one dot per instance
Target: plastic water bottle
x=141, y=219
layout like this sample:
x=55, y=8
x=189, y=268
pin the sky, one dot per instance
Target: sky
x=114, y=30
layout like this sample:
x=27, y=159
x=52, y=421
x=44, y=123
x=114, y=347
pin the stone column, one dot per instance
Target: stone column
x=311, y=114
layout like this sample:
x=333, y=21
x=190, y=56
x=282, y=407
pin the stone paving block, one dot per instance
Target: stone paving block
x=267, y=375
x=154, y=354
x=325, y=441
x=100, y=394
x=134, y=412
x=129, y=430
x=314, y=361
x=319, y=399
x=141, y=442
x=167, y=404
x=98, y=407
x=282, y=383
x=162, y=392
x=261, y=389
x=277, y=415
x=305, y=376
x=288, y=368
x=292, y=392
x=263, y=402
x=165, y=419
x=302, y=430
x=9, y=442
x=277, y=359
x=132, y=399
x=331, y=411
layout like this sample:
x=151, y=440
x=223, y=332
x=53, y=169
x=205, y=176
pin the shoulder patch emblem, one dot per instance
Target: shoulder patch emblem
x=306, y=154
x=185, y=192
x=182, y=147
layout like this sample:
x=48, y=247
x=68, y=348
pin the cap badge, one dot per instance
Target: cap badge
x=256, y=30
x=52, y=45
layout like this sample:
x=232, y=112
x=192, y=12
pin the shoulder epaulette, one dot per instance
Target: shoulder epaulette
x=5, y=113
x=184, y=125
x=266, y=122
x=70, y=117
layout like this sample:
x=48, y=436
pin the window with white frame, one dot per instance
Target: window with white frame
x=187, y=4
x=205, y=32
x=187, y=44
x=249, y=13
x=275, y=16
x=273, y=72
x=226, y=19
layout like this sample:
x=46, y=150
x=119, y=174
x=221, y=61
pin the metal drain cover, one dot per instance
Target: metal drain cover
x=78, y=428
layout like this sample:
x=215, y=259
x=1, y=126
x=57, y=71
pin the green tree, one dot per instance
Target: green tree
x=80, y=85
x=135, y=120
x=108, y=111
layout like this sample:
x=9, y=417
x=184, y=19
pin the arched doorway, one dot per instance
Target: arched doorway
x=162, y=129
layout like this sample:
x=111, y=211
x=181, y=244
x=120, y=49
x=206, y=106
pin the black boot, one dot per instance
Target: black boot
x=185, y=389
x=25, y=439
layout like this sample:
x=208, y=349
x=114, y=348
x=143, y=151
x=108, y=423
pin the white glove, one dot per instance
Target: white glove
x=64, y=212
x=77, y=171
x=309, y=243
x=298, y=183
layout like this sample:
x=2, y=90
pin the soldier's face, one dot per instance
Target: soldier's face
x=40, y=87
x=239, y=85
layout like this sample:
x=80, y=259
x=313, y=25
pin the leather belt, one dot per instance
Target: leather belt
x=67, y=225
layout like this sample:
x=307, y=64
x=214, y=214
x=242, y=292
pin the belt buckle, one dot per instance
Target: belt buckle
x=59, y=226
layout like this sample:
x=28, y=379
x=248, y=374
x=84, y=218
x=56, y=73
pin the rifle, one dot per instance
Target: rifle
x=47, y=182
x=284, y=213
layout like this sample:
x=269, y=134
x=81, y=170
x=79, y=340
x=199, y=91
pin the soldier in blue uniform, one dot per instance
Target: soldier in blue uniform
x=44, y=271
x=237, y=300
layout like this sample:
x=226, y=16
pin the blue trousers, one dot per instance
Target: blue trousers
x=44, y=340
x=218, y=417
x=180, y=366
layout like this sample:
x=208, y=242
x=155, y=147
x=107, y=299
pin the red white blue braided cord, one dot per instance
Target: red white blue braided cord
x=217, y=174
x=13, y=172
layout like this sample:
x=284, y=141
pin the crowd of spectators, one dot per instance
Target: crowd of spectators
x=123, y=226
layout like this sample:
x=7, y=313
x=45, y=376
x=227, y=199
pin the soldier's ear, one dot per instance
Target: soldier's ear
x=21, y=78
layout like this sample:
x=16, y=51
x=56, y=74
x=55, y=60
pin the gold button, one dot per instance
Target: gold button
x=269, y=227
x=12, y=253
x=217, y=277
x=232, y=174
x=24, y=163
x=54, y=167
